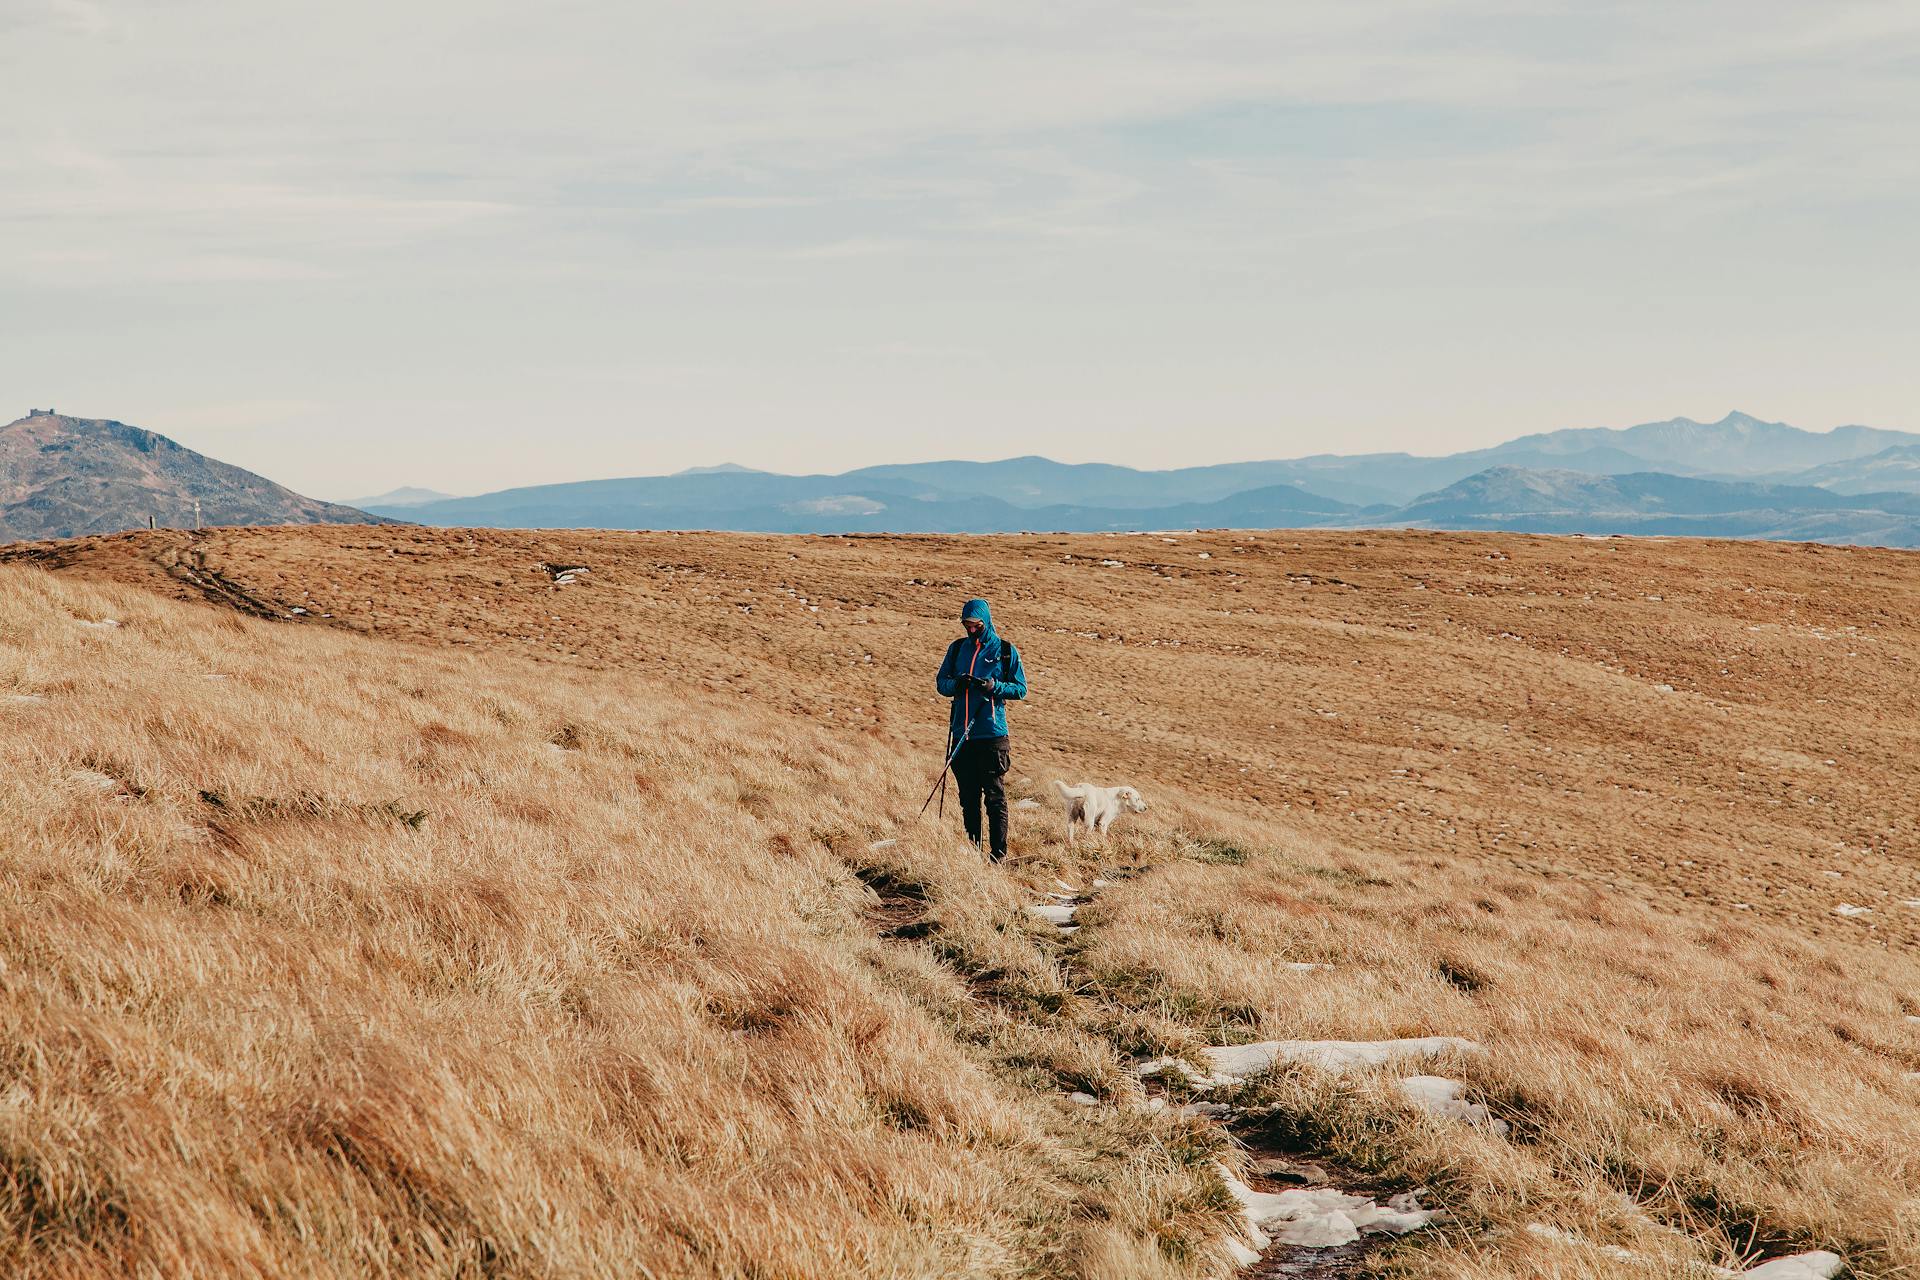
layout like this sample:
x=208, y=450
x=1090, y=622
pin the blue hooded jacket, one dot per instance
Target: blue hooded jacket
x=988, y=657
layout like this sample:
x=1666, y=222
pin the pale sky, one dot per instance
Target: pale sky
x=354, y=245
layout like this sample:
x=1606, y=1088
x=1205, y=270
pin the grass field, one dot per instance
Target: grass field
x=466, y=923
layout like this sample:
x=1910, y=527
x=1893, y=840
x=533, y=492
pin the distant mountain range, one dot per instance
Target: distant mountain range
x=63, y=477
x=1655, y=503
x=1738, y=477
x=405, y=496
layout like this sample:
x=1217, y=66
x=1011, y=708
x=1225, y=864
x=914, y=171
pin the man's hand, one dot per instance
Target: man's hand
x=984, y=684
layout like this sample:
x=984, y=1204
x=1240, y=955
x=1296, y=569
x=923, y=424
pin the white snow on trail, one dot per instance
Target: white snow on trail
x=1546, y=1232
x=1060, y=915
x=1232, y=1064
x=1848, y=909
x=1439, y=1096
x=1154, y=1106
x=1818, y=1265
x=1320, y=1217
x=1241, y=1254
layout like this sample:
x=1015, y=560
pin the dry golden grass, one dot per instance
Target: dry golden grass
x=622, y=1000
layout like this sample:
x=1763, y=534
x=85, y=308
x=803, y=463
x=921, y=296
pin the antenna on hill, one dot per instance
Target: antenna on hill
x=196, y=513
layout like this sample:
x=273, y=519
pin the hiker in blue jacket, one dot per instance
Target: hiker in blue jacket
x=981, y=672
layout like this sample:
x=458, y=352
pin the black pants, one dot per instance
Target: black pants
x=980, y=767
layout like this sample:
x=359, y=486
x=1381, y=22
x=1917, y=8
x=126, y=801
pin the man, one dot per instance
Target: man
x=981, y=672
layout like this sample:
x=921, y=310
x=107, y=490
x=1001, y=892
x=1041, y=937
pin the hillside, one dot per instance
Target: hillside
x=62, y=476
x=467, y=920
x=1737, y=445
x=1896, y=469
x=404, y=496
x=1034, y=493
x=761, y=502
x=1530, y=501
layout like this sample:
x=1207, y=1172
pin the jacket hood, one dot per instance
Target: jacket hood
x=977, y=608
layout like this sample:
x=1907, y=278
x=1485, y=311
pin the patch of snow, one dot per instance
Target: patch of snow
x=1242, y=1255
x=1079, y=1099
x=1065, y=887
x=93, y=778
x=1206, y=555
x=1546, y=1232
x=1113, y=564
x=1154, y=1106
x=1306, y=966
x=1321, y=1217
x=1905, y=902
x=1101, y=884
x=1818, y=1265
x=1663, y=688
x=1232, y=1064
x=1439, y=1096
x=1849, y=910
x=103, y=624
x=1060, y=915
x=878, y=845
x=1026, y=804
x=1069, y=929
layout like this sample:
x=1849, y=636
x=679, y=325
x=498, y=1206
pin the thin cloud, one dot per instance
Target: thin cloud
x=1244, y=206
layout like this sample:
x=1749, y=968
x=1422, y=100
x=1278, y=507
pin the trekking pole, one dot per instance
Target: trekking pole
x=940, y=783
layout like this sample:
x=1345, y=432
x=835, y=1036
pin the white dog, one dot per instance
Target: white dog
x=1097, y=807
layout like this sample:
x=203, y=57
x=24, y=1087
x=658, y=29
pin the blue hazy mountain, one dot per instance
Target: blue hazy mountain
x=1895, y=469
x=1528, y=501
x=405, y=496
x=1737, y=465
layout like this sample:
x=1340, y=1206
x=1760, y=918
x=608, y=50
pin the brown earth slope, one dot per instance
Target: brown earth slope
x=1727, y=721
x=1592, y=803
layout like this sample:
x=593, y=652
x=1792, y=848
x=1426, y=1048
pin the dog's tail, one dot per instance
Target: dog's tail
x=1060, y=789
